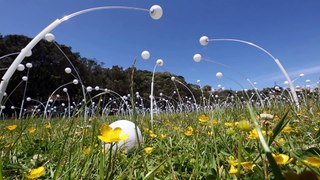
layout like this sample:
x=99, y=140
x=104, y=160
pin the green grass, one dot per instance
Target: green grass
x=203, y=155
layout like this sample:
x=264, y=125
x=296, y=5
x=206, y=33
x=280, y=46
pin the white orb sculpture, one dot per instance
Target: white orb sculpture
x=145, y=55
x=159, y=62
x=197, y=57
x=20, y=67
x=156, y=12
x=49, y=37
x=75, y=81
x=89, y=88
x=204, y=40
x=28, y=98
x=301, y=75
x=97, y=88
x=65, y=90
x=128, y=127
x=219, y=75
x=173, y=78
x=24, y=78
x=67, y=70
x=29, y=65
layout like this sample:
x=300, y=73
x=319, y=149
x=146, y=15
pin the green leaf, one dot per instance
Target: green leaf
x=278, y=128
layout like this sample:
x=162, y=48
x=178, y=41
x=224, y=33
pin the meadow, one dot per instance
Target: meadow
x=221, y=143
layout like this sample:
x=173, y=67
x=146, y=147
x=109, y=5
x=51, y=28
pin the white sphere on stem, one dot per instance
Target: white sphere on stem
x=65, y=90
x=155, y=12
x=198, y=81
x=145, y=55
x=89, y=88
x=24, y=78
x=173, y=78
x=97, y=88
x=301, y=75
x=12, y=107
x=286, y=82
x=67, y=70
x=20, y=67
x=159, y=62
x=197, y=57
x=28, y=98
x=219, y=75
x=75, y=81
x=204, y=40
x=49, y=37
x=308, y=81
x=29, y=65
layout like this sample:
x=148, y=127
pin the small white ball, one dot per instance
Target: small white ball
x=65, y=90
x=156, y=12
x=28, y=98
x=49, y=37
x=96, y=88
x=29, y=65
x=173, y=78
x=219, y=75
x=204, y=40
x=20, y=67
x=24, y=78
x=75, y=81
x=197, y=57
x=67, y=70
x=159, y=62
x=89, y=88
x=145, y=55
x=301, y=75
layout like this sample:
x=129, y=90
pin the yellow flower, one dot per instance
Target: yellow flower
x=203, y=118
x=287, y=129
x=8, y=145
x=214, y=122
x=11, y=127
x=244, y=125
x=189, y=131
x=253, y=134
x=282, y=159
x=47, y=125
x=232, y=161
x=36, y=173
x=86, y=150
x=148, y=150
x=233, y=170
x=152, y=135
x=32, y=130
x=210, y=133
x=109, y=135
x=2, y=137
x=228, y=124
x=248, y=166
x=313, y=161
x=162, y=136
x=176, y=128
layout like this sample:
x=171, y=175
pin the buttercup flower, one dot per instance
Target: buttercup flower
x=203, y=118
x=282, y=159
x=109, y=135
x=148, y=150
x=86, y=150
x=189, y=131
x=287, y=129
x=162, y=136
x=36, y=173
x=233, y=170
x=32, y=130
x=248, y=166
x=47, y=125
x=11, y=127
x=313, y=161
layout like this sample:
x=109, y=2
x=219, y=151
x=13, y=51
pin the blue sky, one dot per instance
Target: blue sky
x=288, y=29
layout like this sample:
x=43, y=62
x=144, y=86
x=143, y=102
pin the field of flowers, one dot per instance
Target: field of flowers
x=220, y=144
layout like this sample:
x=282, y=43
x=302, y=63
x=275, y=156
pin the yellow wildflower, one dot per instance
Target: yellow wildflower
x=148, y=150
x=2, y=137
x=313, y=161
x=248, y=166
x=47, y=125
x=86, y=150
x=214, y=122
x=253, y=134
x=232, y=161
x=287, y=129
x=228, y=124
x=11, y=127
x=244, y=125
x=162, y=136
x=109, y=135
x=203, y=118
x=36, y=173
x=32, y=130
x=233, y=170
x=282, y=159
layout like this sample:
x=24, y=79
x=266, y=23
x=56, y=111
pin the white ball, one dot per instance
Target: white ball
x=219, y=75
x=49, y=37
x=28, y=98
x=29, y=65
x=67, y=70
x=173, y=78
x=197, y=57
x=65, y=90
x=145, y=55
x=24, y=78
x=96, y=88
x=301, y=75
x=75, y=81
x=159, y=62
x=204, y=40
x=89, y=88
x=156, y=12
x=20, y=67
x=128, y=127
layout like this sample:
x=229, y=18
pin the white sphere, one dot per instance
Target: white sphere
x=20, y=67
x=67, y=70
x=159, y=62
x=219, y=85
x=204, y=40
x=24, y=78
x=286, y=82
x=219, y=75
x=173, y=78
x=28, y=98
x=128, y=127
x=197, y=57
x=155, y=12
x=145, y=55
x=29, y=65
x=301, y=75
x=12, y=107
x=89, y=88
x=96, y=88
x=75, y=81
x=65, y=90
x=198, y=81
x=308, y=81
x=49, y=37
